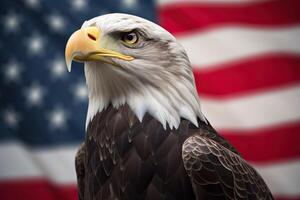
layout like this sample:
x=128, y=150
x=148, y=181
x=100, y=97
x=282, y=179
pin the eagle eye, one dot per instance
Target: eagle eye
x=130, y=38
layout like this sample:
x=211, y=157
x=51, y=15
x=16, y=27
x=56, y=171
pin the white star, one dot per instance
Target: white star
x=34, y=95
x=12, y=71
x=32, y=3
x=12, y=22
x=58, y=68
x=79, y=4
x=80, y=92
x=129, y=3
x=35, y=44
x=11, y=118
x=58, y=118
x=56, y=22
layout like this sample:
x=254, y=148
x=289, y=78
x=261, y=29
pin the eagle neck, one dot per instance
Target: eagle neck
x=166, y=102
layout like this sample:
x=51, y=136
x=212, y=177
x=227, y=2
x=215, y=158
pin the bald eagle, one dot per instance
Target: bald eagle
x=146, y=137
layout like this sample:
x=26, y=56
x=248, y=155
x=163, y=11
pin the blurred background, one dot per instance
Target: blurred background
x=246, y=60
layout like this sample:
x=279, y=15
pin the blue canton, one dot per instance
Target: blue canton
x=40, y=103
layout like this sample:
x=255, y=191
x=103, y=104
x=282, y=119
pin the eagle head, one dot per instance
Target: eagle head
x=130, y=60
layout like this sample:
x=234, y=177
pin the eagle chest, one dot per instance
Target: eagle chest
x=129, y=159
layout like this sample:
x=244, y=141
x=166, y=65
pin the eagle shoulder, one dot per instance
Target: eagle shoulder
x=219, y=173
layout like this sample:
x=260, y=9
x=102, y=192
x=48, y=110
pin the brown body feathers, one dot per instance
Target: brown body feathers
x=123, y=158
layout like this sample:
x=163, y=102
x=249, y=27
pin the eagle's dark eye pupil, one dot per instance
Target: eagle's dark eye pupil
x=130, y=37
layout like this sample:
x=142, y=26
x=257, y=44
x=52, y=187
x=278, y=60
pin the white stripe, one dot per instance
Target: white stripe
x=257, y=110
x=169, y=2
x=57, y=165
x=17, y=162
x=226, y=44
x=282, y=178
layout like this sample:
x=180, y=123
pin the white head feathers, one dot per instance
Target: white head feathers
x=159, y=80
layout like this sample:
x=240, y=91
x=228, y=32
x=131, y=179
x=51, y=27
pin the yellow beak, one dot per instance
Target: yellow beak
x=84, y=45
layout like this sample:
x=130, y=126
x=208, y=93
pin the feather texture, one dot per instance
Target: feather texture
x=123, y=158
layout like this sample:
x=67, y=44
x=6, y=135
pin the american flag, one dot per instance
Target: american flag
x=246, y=59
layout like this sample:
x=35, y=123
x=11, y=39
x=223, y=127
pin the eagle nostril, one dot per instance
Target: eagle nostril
x=91, y=37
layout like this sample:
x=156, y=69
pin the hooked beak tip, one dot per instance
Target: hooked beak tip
x=69, y=66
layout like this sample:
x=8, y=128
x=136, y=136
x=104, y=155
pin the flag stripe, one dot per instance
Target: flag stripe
x=282, y=178
x=201, y=15
x=56, y=165
x=290, y=171
x=249, y=75
x=285, y=198
x=212, y=48
x=256, y=145
x=36, y=189
x=41, y=189
x=257, y=110
x=162, y=3
x=17, y=162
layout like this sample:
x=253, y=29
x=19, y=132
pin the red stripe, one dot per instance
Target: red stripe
x=36, y=190
x=40, y=190
x=182, y=17
x=248, y=75
x=273, y=144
